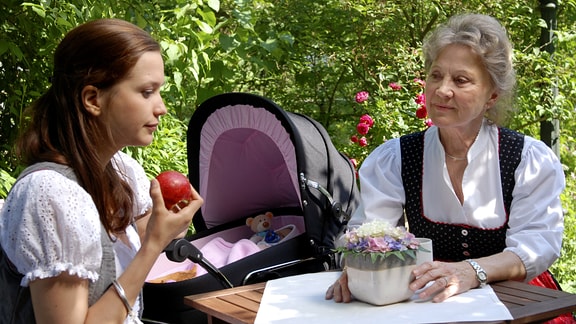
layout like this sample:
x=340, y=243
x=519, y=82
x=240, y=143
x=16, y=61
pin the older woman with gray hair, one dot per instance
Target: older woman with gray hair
x=487, y=196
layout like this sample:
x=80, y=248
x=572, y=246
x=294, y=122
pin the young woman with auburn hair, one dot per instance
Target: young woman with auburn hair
x=71, y=251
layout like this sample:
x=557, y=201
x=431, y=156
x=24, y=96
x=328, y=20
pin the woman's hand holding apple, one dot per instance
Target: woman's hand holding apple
x=164, y=225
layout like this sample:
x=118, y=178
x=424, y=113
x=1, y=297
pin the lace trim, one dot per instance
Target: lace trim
x=73, y=270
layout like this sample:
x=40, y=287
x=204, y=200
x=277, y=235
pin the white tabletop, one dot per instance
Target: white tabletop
x=300, y=299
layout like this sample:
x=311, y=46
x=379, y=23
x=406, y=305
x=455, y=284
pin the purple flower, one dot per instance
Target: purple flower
x=359, y=246
x=395, y=245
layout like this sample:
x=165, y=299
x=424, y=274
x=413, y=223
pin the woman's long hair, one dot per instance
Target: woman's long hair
x=99, y=53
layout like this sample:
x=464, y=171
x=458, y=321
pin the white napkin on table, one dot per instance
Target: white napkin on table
x=300, y=299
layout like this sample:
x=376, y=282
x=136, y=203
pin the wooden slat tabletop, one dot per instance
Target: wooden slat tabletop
x=531, y=304
x=526, y=303
x=237, y=305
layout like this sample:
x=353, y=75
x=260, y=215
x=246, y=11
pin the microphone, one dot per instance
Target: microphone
x=181, y=249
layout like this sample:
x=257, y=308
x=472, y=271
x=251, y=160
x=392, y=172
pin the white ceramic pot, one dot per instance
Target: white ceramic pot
x=381, y=283
x=426, y=254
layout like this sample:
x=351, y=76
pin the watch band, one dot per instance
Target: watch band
x=480, y=273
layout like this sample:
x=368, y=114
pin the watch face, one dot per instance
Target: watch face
x=481, y=276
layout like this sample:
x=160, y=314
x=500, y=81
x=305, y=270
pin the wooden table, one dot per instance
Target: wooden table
x=526, y=303
x=234, y=305
x=532, y=304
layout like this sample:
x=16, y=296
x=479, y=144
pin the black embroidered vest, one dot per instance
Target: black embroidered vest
x=456, y=242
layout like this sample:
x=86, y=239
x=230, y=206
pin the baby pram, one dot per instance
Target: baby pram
x=247, y=156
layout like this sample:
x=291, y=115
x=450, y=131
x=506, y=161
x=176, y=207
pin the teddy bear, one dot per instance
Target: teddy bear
x=264, y=236
x=261, y=226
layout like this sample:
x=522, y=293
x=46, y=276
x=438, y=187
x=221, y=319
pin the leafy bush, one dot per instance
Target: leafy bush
x=167, y=151
x=6, y=182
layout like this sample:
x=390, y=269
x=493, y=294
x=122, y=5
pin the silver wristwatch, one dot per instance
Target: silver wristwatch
x=480, y=273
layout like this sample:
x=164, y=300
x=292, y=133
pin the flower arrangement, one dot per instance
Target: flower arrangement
x=380, y=239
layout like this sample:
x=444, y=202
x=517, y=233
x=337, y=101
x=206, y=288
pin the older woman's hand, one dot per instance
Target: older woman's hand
x=449, y=279
x=339, y=290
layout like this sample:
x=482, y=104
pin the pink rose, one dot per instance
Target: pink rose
x=395, y=86
x=362, y=128
x=363, y=141
x=362, y=96
x=354, y=139
x=422, y=83
x=421, y=112
x=428, y=122
x=420, y=99
x=366, y=119
x=354, y=162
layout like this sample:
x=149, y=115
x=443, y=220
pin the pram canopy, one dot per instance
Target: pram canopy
x=247, y=156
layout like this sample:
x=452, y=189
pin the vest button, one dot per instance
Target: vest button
x=464, y=232
x=466, y=253
x=465, y=245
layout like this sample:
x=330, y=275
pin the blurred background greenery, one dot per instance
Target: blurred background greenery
x=310, y=57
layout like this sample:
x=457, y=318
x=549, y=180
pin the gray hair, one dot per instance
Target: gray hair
x=488, y=38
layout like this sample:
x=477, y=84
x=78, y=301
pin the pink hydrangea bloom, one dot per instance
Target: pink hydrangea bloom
x=378, y=244
x=395, y=86
x=362, y=96
x=363, y=141
x=362, y=128
x=367, y=119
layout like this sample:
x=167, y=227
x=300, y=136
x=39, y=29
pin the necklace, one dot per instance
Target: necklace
x=456, y=158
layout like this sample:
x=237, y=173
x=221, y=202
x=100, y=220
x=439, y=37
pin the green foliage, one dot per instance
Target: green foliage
x=393, y=110
x=565, y=267
x=308, y=56
x=378, y=257
x=6, y=182
x=167, y=151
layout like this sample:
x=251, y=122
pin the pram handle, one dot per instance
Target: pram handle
x=336, y=206
x=181, y=249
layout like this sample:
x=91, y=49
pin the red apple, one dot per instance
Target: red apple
x=175, y=189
